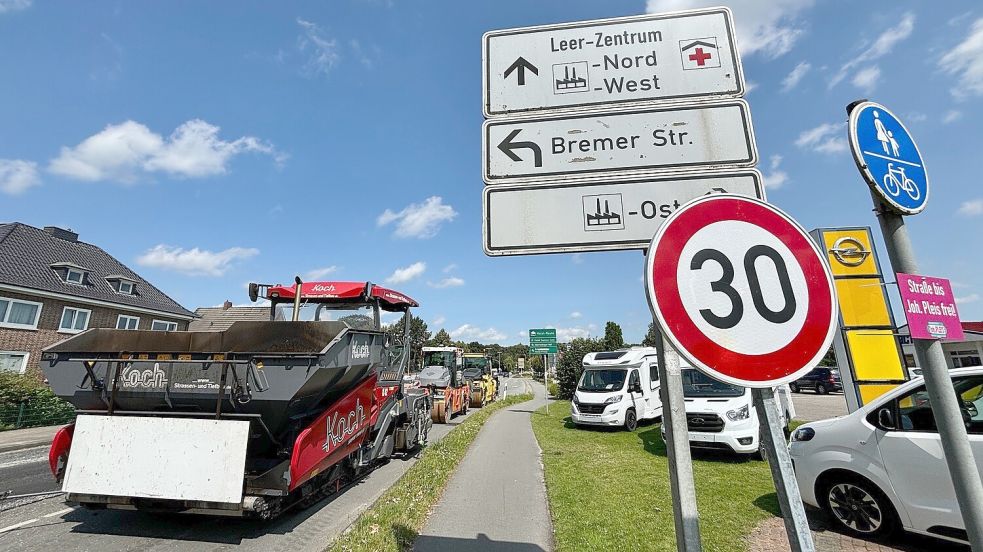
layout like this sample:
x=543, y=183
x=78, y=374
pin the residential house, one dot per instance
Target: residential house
x=53, y=286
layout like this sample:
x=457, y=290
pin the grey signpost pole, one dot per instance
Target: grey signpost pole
x=780, y=462
x=945, y=403
x=685, y=513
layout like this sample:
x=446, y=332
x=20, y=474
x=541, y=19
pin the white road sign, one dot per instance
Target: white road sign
x=627, y=141
x=675, y=56
x=527, y=219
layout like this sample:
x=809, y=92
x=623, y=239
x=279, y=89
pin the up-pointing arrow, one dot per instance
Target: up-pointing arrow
x=519, y=66
x=507, y=146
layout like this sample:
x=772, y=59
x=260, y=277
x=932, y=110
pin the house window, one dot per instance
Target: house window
x=74, y=320
x=125, y=322
x=12, y=361
x=965, y=359
x=15, y=313
x=163, y=326
x=74, y=276
x=126, y=288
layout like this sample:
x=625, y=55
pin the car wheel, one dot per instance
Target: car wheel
x=631, y=421
x=821, y=389
x=794, y=387
x=859, y=507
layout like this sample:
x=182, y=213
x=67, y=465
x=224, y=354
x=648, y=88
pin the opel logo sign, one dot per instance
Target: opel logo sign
x=697, y=420
x=849, y=251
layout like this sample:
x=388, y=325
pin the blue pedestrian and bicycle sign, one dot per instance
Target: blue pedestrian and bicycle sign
x=888, y=158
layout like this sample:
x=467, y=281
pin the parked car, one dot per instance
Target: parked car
x=720, y=415
x=617, y=388
x=822, y=380
x=881, y=467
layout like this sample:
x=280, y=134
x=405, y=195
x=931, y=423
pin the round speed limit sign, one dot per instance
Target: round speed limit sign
x=741, y=291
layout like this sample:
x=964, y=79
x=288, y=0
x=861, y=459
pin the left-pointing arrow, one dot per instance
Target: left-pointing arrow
x=508, y=146
x=519, y=66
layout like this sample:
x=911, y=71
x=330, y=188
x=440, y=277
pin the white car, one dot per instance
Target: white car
x=881, y=468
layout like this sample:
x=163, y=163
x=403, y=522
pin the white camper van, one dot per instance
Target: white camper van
x=720, y=415
x=617, y=388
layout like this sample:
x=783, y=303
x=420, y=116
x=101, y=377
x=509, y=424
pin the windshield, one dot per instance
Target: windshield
x=439, y=358
x=472, y=372
x=698, y=384
x=360, y=318
x=596, y=381
x=479, y=364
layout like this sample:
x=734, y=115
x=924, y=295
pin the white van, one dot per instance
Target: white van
x=721, y=416
x=617, y=388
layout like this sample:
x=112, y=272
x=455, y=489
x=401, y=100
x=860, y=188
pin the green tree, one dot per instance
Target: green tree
x=419, y=335
x=651, y=337
x=442, y=339
x=612, y=337
x=570, y=363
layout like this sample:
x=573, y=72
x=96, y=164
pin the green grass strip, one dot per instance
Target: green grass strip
x=624, y=477
x=396, y=518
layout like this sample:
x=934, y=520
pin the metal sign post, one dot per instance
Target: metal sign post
x=891, y=163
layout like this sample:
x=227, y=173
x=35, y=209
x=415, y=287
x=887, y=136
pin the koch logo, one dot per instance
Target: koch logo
x=323, y=289
x=360, y=351
x=131, y=377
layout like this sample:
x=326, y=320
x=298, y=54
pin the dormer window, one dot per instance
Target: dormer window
x=122, y=285
x=74, y=276
x=71, y=273
x=126, y=288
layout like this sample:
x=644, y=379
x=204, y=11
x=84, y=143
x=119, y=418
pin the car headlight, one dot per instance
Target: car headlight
x=741, y=413
x=614, y=399
x=803, y=434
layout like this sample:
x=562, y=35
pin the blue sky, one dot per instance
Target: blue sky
x=212, y=144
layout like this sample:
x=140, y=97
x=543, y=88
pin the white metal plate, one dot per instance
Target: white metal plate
x=526, y=219
x=672, y=57
x=166, y=458
x=634, y=141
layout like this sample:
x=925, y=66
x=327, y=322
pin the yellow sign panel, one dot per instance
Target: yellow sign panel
x=862, y=302
x=850, y=252
x=875, y=355
x=871, y=392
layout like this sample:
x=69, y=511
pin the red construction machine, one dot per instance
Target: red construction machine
x=245, y=422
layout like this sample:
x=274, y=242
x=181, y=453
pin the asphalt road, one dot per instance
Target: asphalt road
x=51, y=525
x=810, y=407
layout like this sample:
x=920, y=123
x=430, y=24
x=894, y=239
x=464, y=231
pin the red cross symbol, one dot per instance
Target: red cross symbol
x=700, y=57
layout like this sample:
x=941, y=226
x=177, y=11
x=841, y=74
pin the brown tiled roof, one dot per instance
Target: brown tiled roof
x=217, y=319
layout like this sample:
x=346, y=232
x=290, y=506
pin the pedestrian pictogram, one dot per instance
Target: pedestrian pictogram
x=699, y=53
x=741, y=291
x=888, y=158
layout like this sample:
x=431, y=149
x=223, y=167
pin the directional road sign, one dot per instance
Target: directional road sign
x=526, y=219
x=888, y=158
x=628, y=141
x=741, y=291
x=542, y=341
x=675, y=56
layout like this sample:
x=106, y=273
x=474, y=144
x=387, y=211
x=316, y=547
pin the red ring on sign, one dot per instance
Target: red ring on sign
x=800, y=351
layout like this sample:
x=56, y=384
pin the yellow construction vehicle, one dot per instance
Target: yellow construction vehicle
x=478, y=374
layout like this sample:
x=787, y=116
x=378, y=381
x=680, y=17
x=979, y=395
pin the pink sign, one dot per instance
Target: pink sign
x=930, y=307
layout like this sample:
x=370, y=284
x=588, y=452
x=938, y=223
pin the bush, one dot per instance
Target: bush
x=26, y=402
x=571, y=364
x=554, y=389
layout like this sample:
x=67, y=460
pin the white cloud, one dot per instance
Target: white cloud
x=882, y=46
x=318, y=273
x=322, y=51
x=407, y=273
x=467, y=332
x=866, y=78
x=452, y=281
x=971, y=208
x=128, y=151
x=792, y=79
x=194, y=262
x=450, y=268
x=971, y=298
x=17, y=176
x=14, y=5
x=565, y=335
x=777, y=177
x=575, y=314
x=916, y=117
x=440, y=319
x=750, y=86
x=767, y=28
x=951, y=116
x=966, y=62
x=825, y=138
x=419, y=220
x=577, y=258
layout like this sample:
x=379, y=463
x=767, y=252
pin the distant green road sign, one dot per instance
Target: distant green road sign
x=542, y=341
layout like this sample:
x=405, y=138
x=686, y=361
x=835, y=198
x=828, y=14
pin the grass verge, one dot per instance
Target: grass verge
x=625, y=479
x=394, y=521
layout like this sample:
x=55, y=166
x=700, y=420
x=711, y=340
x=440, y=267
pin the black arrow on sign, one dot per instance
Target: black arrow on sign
x=507, y=146
x=520, y=65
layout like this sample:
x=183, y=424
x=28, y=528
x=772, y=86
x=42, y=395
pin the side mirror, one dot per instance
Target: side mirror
x=885, y=418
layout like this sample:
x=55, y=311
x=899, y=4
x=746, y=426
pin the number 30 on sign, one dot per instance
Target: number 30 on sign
x=741, y=291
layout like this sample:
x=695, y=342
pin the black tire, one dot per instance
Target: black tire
x=631, y=420
x=794, y=387
x=858, y=507
x=821, y=389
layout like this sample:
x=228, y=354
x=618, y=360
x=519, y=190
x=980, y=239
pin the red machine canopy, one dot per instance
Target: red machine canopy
x=328, y=292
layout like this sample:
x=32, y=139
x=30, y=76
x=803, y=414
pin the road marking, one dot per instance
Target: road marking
x=58, y=513
x=22, y=461
x=18, y=525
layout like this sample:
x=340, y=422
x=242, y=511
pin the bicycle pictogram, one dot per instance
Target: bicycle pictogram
x=896, y=180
